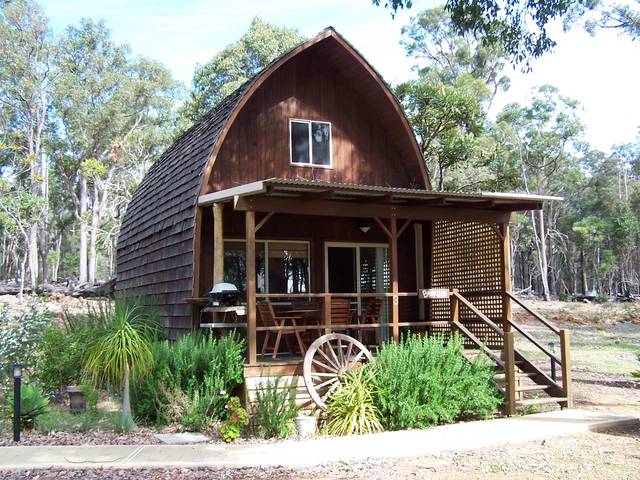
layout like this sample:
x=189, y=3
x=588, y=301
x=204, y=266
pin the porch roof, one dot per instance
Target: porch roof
x=300, y=196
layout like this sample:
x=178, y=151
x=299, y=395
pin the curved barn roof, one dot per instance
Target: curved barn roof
x=155, y=256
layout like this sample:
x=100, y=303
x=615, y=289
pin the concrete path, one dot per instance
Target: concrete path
x=457, y=437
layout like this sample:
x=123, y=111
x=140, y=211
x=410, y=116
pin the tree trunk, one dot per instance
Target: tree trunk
x=58, y=253
x=544, y=267
x=126, y=401
x=32, y=246
x=82, y=270
x=583, y=266
x=93, y=236
x=23, y=273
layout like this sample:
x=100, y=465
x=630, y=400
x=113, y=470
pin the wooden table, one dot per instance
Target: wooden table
x=235, y=311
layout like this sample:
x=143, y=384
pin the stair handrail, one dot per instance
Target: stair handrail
x=474, y=309
x=533, y=313
x=533, y=340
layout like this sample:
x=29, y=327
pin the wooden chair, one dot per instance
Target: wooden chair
x=341, y=313
x=371, y=314
x=270, y=319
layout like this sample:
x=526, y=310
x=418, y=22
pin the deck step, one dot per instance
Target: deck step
x=540, y=401
x=531, y=388
x=500, y=376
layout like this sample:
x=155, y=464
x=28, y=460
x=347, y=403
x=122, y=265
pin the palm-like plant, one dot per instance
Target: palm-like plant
x=122, y=348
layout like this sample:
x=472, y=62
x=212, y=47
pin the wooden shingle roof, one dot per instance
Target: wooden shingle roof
x=155, y=246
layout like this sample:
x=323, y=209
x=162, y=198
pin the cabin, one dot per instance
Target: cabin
x=306, y=190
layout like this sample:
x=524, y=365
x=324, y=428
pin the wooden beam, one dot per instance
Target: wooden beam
x=565, y=354
x=419, y=259
x=383, y=227
x=250, y=262
x=264, y=220
x=508, y=355
x=403, y=227
x=505, y=250
x=395, y=310
x=218, y=243
x=336, y=208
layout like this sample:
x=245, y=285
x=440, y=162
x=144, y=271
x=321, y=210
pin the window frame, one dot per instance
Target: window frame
x=266, y=243
x=310, y=164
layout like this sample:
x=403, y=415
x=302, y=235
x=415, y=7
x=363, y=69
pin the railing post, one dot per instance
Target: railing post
x=327, y=313
x=454, y=306
x=250, y=267
x=509, y=373
x=565, y=355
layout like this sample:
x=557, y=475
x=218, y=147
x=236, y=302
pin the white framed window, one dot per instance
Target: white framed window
x=282, y=266
x=310, y=143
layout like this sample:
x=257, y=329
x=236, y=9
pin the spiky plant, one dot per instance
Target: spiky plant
x=122, y=348
x=350, y=407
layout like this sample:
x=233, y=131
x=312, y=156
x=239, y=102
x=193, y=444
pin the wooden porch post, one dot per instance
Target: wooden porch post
x=250, y=261
x=395, y=311
x=509, y=373
x=218, y=243
x=565, y=355
x=505, y=248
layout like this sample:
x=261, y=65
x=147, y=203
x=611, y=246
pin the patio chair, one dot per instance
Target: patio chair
x=270, y=319
x=341, y=312
x=371, y=314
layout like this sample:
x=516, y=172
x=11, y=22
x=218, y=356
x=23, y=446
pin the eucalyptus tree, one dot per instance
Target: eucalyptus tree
x=447, y=103
x=107, y=104
x=26, y=73
x=548, y=138
x=236, y=64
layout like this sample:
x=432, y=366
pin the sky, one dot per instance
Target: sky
x=601, y=72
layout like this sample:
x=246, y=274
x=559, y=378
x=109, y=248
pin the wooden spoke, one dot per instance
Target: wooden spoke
x=326, y=360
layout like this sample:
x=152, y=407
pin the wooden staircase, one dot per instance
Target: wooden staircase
x=522, y=381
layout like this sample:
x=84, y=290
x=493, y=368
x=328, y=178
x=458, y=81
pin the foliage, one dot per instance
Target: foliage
x=637, y=373
x=121, y=423
x=21, y=338
x=350, y=406
x=52, y=421
x=91, y=396
x=191, y=380
x=275, y=409
x=122, y=348
x=33, y=403
x=423, y=381
x=236, y=420
x=236, y=64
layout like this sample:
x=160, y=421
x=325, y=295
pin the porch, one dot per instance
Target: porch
x=453, y=248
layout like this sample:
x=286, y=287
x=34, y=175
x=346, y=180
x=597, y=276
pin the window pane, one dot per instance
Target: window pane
x=235, y=267
x=321, y=138
x=299, y=142
x=288, y=267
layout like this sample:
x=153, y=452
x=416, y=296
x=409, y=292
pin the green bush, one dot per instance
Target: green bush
x=350, y=406
x=121, y=423
x=191, y=381
x=21, y=336
x=236, y=420
x=424, y=381
x=53, y=421
x=275, y=410
x=33, y=403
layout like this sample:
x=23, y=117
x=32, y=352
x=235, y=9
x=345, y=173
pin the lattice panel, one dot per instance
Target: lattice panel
x=467, y=256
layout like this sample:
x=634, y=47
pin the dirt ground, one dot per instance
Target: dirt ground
x=605, y=340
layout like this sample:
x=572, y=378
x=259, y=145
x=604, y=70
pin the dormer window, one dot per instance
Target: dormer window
x=310, y=143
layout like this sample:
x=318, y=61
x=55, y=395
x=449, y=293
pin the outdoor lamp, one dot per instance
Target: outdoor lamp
x=17, y=376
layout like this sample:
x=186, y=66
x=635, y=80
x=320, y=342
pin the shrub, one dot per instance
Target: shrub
x=91, y=396
x=424, y=381
x=52, y=421
x=121, y=348
x=122, y=423
x=191, y=380
x=33, y=403
x=236, y=420
x=275, y=410
x=350, y=406
x=21, y=334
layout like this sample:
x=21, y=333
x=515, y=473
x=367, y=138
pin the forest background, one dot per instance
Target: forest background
x=82, y=118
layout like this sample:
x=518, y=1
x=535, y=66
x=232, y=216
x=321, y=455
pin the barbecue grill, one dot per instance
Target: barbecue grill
x=224, y=295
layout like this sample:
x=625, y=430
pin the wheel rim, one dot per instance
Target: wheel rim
x=327, y=359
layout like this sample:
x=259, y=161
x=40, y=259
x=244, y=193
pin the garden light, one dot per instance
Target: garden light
x=17, y=377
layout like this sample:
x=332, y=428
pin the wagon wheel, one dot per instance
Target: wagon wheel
x=327, y=359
